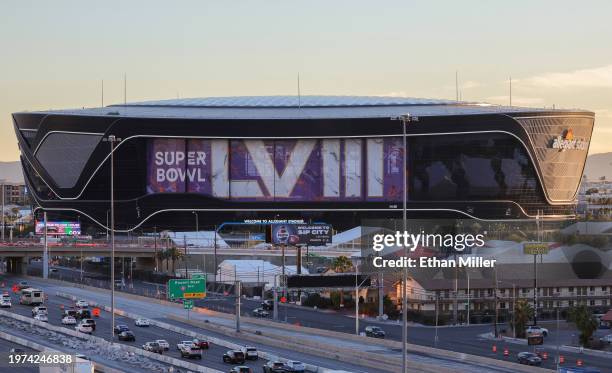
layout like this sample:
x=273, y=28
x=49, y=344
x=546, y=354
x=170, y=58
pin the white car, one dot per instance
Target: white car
x=41, y=317
x=68, y=320
x=84, y=328
x=39, y=310
x=250, y=353
x=606, y=339
x=182, y=344
x=142, y=322
x=296, y=366
x=163, y=343
x=536, y=330
x=5, y=303
x=82, y=304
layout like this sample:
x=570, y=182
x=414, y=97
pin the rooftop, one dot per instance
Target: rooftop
x=294, y=107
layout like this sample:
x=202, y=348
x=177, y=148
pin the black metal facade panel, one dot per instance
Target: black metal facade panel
x=135, y=207
x=560, y=146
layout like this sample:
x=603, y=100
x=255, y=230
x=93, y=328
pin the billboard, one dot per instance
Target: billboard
x=59, y=228
x=301, y=234
x=278, y=170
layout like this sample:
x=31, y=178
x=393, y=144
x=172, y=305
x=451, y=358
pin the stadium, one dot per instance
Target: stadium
x=336, y=159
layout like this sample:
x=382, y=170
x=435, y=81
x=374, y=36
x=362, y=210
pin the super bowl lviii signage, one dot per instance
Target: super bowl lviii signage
x=296, y=170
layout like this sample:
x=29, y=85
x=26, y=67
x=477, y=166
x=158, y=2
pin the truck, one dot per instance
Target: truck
x=78, y=366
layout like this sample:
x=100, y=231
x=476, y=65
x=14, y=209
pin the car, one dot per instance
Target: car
x=233, y=357
x=84, y=328
x=183, y=344
x=126, y=335
x=606, y=339
x=6, y=303
x=295, y=366
x=250, y=353
x=260, y=312
x=53, y=270
x=142, y=322
x=163, y=343
x=534, y=330
x=39, y=309
x=153, y=347
x=374, y=332
x=81, y=303
x=83, y=314
x=41, y=317
x=528, y=358
x=70, y=312
x=91, y=322
x=267, y=305
x=121, y=328
x=274, y=367
x=241, y=369
x=202, y=343
x=68, y=320
x=191, y=351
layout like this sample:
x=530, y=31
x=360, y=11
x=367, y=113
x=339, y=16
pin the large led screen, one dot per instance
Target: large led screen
x=278, y=170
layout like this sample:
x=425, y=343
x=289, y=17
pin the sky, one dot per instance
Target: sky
x=55, y=54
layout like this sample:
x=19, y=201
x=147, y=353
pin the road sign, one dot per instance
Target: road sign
x=187, y=288
x=535, y=248
x=188, y=304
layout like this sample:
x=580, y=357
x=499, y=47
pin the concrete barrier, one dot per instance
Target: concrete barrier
x=38, y=347
x=418, y=349
x=73, y=333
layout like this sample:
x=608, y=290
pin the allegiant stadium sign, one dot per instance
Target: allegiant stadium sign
x=567, y=141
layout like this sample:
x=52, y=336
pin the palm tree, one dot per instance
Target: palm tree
x=174, y=254
x=342, y=264
x=585, y=322
x=522, y=313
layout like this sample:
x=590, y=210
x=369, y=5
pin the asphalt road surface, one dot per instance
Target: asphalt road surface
x=459, y=339
x=211, y=358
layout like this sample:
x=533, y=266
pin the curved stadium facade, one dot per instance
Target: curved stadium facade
x=322, y=158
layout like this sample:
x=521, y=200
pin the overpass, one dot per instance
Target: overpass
x=18, y=254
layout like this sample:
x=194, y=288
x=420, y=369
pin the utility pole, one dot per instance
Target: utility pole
x=275, y=303
x=46, y=249
x=215, y=255
x=381, y=295
x=468, y=297
x=3, y=213
x=496, y=308
x=185, y=259
x=436, y=335
x=155, y=245
x=237, y=291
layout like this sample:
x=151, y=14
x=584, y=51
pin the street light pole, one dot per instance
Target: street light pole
x=405, y=119
x=112, y=139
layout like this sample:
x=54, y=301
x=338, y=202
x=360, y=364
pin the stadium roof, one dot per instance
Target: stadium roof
x=294, y=107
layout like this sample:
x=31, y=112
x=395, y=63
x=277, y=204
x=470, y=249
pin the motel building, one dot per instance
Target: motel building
x=480, y=296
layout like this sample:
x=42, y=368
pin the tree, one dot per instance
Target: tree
x=585, y=322
x=174, y=254
x=342, y=264
x=522, y=313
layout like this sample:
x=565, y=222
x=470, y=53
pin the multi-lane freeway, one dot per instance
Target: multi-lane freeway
x=460, y=339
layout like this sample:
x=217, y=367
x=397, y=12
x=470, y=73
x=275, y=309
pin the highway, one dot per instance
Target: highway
x=460, y=339
x=211, y=358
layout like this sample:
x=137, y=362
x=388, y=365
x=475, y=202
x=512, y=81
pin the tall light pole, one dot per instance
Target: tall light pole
x=406, y=118
x=112, y=140
x=3, y=212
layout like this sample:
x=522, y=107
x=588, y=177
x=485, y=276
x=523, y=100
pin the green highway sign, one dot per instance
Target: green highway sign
x=187, y=288
x=188, y=304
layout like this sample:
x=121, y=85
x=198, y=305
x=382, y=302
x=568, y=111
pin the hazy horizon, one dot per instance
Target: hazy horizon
x=57, y=53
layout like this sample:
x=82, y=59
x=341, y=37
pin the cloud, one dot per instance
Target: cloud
x=598, y=77
x=516, y=100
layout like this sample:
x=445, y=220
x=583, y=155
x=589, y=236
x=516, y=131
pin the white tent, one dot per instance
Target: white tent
x=252, y=271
